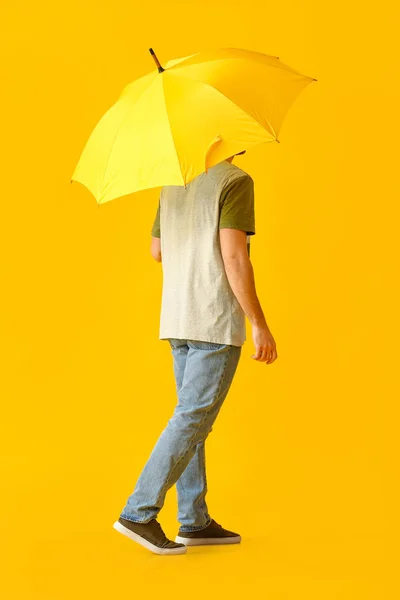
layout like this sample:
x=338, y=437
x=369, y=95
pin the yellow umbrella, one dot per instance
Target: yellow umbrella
x=174, y=123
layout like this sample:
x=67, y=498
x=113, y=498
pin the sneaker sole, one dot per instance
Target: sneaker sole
x=207, y=541
x=137, y=538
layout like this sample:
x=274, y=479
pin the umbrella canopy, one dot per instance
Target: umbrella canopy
x=174, y=123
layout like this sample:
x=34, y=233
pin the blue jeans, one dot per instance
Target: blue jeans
x=203, y=373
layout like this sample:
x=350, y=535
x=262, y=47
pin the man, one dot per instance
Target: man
x=201, y=234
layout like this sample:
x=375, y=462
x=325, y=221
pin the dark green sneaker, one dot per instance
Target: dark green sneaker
x=150, y=535
x=212, y=534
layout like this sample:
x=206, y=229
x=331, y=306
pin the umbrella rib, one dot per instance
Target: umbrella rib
x=172, y=135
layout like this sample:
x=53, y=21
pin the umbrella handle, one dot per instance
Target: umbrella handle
x=160, y=68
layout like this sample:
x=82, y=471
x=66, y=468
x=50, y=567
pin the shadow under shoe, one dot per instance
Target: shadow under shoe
x=150, y=535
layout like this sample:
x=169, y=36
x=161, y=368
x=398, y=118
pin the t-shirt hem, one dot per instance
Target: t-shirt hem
x=202, y=338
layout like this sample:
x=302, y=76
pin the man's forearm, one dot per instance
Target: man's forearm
x=240, y=274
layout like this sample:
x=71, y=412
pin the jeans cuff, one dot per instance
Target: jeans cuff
x=185, y=529
x=132, y=521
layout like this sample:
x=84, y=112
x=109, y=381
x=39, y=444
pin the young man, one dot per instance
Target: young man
x=201, y=234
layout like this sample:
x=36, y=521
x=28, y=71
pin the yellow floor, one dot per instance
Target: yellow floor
x=99, y=564
x=65, y=547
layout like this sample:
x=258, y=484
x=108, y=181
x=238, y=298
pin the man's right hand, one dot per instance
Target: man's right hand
x=264, y=344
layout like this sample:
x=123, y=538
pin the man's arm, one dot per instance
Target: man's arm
x=155, y=248
x=240, y=274
x=236, y=222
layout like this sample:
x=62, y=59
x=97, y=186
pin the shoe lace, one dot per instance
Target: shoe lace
x=165, y=539
x=160, y=529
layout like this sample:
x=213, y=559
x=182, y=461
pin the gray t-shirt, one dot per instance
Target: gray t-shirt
x=197, y=300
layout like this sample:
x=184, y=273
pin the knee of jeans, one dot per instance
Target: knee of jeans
x=190, y=421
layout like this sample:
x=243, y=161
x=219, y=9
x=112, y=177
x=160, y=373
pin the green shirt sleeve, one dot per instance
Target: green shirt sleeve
x=237, y=205
x=155, y=231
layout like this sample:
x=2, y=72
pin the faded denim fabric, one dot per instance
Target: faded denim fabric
x=203, y=372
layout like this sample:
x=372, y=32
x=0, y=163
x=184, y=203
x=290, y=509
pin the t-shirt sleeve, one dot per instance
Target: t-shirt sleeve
x=237, y=205
x=155, y=231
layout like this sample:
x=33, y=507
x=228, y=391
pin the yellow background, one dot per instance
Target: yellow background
x=303, y=459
